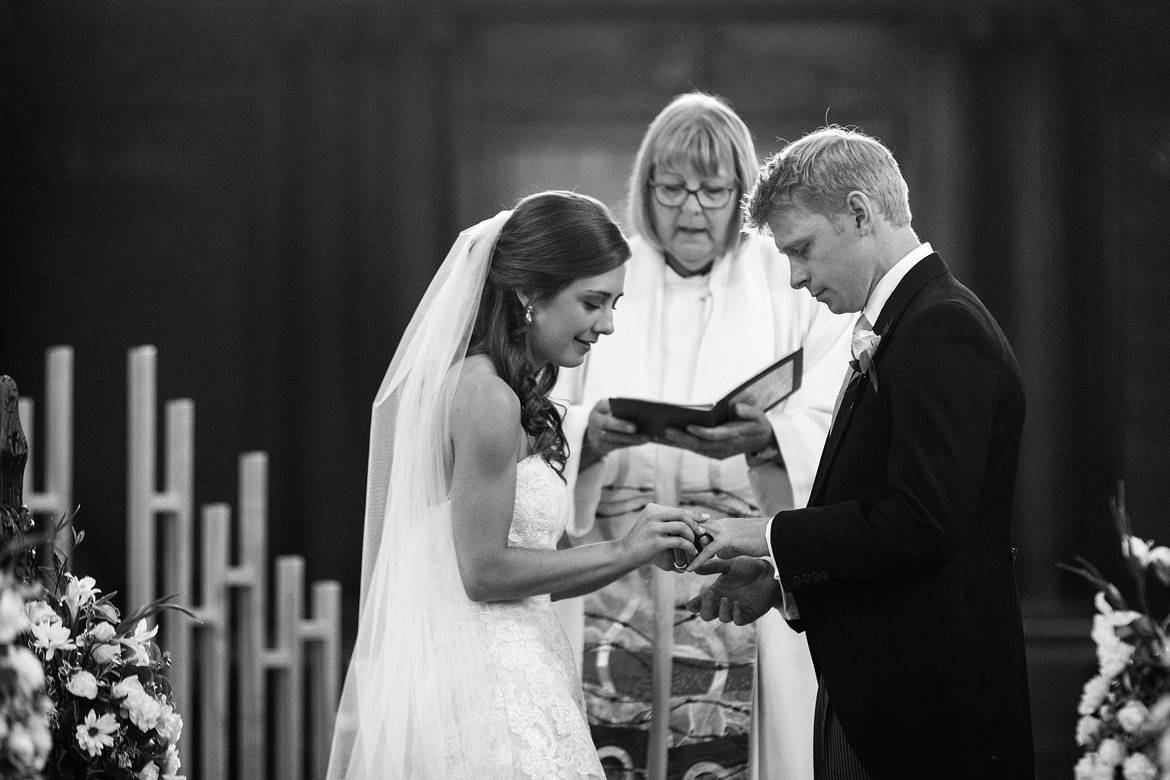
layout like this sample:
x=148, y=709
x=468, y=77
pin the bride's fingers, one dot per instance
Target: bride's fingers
x=665, y=561
x=705, y=555
x=693, y=518
x=673, y=537
x=678, y=528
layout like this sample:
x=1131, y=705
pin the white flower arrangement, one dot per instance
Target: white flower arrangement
x=87, y=694
x=115, y=714
x=26, y=710
x=1124, y=725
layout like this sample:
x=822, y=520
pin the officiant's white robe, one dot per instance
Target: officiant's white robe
x=676, y=343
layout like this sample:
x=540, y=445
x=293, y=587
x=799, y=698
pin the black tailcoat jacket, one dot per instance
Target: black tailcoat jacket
x=902, y=565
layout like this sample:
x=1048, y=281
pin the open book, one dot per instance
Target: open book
x=765, y=390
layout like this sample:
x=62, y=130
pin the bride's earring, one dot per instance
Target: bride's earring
x=528, y=314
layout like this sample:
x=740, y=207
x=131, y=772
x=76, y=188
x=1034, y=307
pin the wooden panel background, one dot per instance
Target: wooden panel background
x=263, y=190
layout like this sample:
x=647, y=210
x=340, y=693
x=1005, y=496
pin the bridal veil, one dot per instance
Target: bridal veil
x=418, y=700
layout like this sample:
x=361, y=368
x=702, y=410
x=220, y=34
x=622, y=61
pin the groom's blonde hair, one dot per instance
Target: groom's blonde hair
x=820, y=170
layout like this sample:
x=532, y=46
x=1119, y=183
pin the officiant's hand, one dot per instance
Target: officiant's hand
x=734, y=536
x=607, y=433
x=750, y=432
x=744, y=592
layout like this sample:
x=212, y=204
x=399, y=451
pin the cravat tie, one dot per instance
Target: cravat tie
x=850, y=375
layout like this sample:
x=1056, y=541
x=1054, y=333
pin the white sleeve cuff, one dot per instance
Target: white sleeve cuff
x=787, y=606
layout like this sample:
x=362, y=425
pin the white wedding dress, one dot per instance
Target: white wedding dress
x=537, y=687
x=441, y=687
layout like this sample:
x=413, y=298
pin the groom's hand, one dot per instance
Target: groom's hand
x=734, y=536
x=751, y=432
x=743, y=593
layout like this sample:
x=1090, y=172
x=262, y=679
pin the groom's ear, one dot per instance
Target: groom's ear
x=860, y=211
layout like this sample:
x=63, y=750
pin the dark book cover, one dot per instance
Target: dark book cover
x=766, y=389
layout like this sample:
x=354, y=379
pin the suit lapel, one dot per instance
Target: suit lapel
x=851, y=394
x=930, y=267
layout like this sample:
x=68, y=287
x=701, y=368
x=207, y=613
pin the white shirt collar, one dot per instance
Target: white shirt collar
x=888, y=283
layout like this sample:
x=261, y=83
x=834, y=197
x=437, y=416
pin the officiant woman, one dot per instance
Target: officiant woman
x=706, y=307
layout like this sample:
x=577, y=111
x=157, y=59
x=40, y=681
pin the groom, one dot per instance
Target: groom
x=900, y=570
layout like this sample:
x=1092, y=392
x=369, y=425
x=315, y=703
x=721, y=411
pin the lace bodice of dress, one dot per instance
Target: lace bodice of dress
x=539, y=691
x=542, y=506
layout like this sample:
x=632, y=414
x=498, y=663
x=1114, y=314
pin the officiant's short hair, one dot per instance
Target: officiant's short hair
x=695, y=130
x=819, y=171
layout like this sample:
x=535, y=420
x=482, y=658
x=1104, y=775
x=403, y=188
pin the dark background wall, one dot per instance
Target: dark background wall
x=262, y=190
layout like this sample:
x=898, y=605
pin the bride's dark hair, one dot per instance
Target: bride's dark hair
x=551, y=239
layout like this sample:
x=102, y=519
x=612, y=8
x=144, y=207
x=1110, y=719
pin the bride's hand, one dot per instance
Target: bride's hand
x=660, y=532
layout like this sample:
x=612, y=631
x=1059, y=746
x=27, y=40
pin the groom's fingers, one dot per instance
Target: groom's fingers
x=699, y=560
x=709, y=609
x=718, y=547
x=714, y=566
x=725, y=610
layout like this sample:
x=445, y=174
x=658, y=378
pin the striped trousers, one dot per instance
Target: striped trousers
x=833, y=759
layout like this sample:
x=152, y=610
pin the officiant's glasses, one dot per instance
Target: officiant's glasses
x=674, y=194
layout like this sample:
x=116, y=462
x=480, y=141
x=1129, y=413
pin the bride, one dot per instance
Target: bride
x=460, y=669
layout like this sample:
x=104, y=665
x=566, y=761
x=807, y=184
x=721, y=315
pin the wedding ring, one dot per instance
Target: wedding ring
x=680, y=569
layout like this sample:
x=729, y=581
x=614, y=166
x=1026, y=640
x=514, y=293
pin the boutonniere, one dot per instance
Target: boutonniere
x=865, y=344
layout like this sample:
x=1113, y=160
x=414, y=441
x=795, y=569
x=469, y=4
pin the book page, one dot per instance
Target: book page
x=769, y=388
